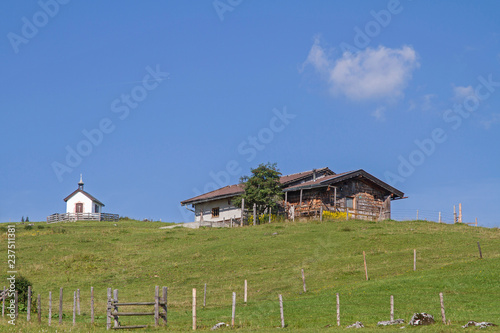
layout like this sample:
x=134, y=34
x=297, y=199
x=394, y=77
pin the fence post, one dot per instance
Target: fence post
x=165, y=316
x=50, y=307
x=242, y=212
x=454, y=214
x=60, y=305
x=205, y=295
x=460, y=213
x=245, y=294
x=92, y=305
x=108, y=310
x=3, y=302
x=480, y=253
x=321, y=213
x=28, y=315
x=74, y=308
x=366, y=269
x=157, y=305
x=254, y=214
x=16, y=302
x=270, y=214
x=39, y=309
x=442, y=308
x=115, y=308
x=281, y=312
x=234, y=310
x=476, y=221
x=392, y=308
x=78, y=301
x=414, y=259
x=194, y=309
x=439, y=217
x=303, y=280
x=338, y=310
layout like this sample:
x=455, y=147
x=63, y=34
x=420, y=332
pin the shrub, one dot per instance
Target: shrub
x=263, y=218
x=334, y=215
x=22, y=284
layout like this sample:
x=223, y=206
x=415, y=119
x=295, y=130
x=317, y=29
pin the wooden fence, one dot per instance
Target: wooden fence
x=160, y=309
x=114, y=314
x=159, y=304
x=82, y=217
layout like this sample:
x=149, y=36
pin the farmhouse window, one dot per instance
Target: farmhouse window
x=349, y=202
x=215, y=212
x=79, y=208
x=96, y=208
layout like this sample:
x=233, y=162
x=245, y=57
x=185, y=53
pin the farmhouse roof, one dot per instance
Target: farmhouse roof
x=233, y=190
x=287, y=179
x=225, y=192
x=333, y=179
x=84, y=193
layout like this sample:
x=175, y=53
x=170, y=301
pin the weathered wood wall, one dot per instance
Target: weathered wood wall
x=369, y=202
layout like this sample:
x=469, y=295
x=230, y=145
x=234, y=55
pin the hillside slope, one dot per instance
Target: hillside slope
x=135, y=256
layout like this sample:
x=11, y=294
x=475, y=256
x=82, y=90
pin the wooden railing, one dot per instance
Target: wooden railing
x=315, y=211
x=82, y=217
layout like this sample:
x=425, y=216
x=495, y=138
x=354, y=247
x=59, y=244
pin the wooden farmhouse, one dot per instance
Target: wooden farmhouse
x=307, y=193
x=80, y=205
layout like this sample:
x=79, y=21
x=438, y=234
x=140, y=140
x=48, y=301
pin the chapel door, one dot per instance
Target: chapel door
x=79, y=208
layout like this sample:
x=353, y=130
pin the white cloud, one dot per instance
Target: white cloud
x=379, y=113
x=428, y=102
x=317, y=57
x=461, y=92
x=494, y=119
x=368, y=74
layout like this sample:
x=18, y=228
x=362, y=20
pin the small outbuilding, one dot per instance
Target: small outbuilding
x=80, y=205
x=82, y=202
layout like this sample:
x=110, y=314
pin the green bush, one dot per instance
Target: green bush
x=22, y=285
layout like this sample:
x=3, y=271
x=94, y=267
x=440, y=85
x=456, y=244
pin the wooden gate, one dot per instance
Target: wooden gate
x=113, y=313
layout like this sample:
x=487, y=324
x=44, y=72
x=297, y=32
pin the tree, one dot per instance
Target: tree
x=22, y=219
x=27, y=219
x=262, y=188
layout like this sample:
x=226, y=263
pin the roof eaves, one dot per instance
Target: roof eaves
x=195, y=202
x=84, y=193
x=348, y=175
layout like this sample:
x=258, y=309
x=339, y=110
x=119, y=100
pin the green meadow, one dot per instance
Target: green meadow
x=134, y=257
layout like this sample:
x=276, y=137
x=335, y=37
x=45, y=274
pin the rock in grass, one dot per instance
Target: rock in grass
x=421, y=319
x=357, y=324
x=391, y=322
x=482, y=324
x=218, y=325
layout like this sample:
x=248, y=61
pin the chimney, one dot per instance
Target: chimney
x=314, y=174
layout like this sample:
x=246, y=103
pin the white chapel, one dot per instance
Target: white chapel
x=82, y=202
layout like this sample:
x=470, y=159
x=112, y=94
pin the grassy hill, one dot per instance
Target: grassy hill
x=135, y=256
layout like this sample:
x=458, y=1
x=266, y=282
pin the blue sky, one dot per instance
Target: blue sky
x=156, y=102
